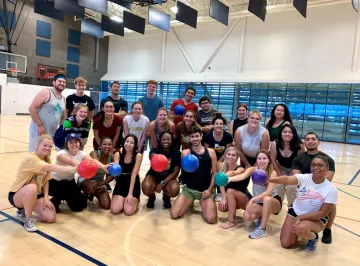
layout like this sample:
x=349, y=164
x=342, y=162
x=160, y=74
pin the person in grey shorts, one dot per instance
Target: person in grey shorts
x=47, y=111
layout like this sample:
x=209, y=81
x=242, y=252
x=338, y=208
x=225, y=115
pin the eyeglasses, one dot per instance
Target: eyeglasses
x=318, y=165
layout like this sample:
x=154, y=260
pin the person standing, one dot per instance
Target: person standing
x=47, y=111
x=186, y=102
x=240, y=120
x=150, y=101
x=204, y=116
x=79, y=97
x=120, y=104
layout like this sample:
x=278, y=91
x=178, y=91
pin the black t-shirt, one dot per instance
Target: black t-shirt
x=218, y=147
x=73, y=100
x=302, y=162
x=120, y=105
x=238, y=123
x=174, y=160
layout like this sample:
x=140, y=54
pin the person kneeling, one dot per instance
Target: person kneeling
x=126, y=195
x=199, y=185
x=315, y=198
x=166, y=180
x=96, y=186
x=30, y=191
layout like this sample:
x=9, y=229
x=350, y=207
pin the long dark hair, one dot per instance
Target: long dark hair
x=101, y=114
x=123, y=152
x=272, y=117
x=172, y=147
x=295, y=143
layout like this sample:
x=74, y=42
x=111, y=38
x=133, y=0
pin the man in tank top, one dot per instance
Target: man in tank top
x=199, y=185
x=47, y=111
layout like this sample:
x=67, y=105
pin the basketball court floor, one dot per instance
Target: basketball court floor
x=150, y=237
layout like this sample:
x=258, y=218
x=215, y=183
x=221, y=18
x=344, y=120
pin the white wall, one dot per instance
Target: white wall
x=16, y=98
x=286, y=48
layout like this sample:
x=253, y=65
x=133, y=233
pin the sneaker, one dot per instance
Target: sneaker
x=30, y=225
x=151, y=202
x=20, y=213
x=258, y=233
x=218, y=197
x=258, y=223
x=108, y=188
x=167, y=202
x=311, y=244
x=326, y=237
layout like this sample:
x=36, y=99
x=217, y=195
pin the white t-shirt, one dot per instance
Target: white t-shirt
x=310, y=196
x=66, y=176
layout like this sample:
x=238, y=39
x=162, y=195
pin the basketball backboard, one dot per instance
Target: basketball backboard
x=10, y=61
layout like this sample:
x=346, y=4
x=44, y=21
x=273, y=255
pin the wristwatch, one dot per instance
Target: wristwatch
x=163, y=183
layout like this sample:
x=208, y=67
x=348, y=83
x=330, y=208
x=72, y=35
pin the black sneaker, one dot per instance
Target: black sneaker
x=151, y=202
x=56, y=204
x=167, y=202
x=326, y=237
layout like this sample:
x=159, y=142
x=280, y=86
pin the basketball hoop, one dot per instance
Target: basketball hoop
x=14, y=71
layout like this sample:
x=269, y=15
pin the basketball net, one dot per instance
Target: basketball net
x=14, y=72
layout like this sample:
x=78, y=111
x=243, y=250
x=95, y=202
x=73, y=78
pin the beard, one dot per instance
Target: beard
x=59, y=88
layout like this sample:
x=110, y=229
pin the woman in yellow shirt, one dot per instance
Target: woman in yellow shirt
x=30, y=191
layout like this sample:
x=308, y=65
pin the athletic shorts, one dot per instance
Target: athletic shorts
x=194, y=194
x=293, y=214
x=11, y=198
x=246, y=192
x=157, y=177
x=277, y=197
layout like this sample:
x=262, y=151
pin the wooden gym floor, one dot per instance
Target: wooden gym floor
x=150, y=237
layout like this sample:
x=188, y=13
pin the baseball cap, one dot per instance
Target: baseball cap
x=72, y=136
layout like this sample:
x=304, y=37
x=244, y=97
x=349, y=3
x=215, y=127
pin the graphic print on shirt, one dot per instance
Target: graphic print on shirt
x=314, y=198
x=38, y=179
x=57, y=110
x=75, y=104
x=185, y=139
x=219, y=148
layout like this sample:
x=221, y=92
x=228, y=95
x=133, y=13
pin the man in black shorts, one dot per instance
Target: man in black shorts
x=301, y=165
x=199, y=185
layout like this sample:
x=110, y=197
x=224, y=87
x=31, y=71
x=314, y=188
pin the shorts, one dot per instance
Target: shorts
x=11, y=198
x=252, y=161
x=195, y=194
x=293, y=214
x=33, y=139
x=277, y=197
x=157, y=177
x=123, y=184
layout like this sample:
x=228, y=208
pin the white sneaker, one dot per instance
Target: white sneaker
x=20, y=213
x=30, y=225
x=218, y=197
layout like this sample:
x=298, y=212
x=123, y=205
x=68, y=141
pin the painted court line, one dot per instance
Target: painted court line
x=354, y=177
x=14, y=140
x=56, y=241
x=347, y=230
x=348, y=194
x=344, y=184
x=4, y=220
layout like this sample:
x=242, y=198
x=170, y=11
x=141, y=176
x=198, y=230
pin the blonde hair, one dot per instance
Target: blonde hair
x=167, y=122
x=224, y=167
x=40, y=140
x=256, y=112
x=79, y=80
x=269, y=168
x=78, y=107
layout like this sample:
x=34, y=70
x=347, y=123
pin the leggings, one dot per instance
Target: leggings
x=68, y=191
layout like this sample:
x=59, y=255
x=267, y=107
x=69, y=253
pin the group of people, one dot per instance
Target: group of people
x=296, y=168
